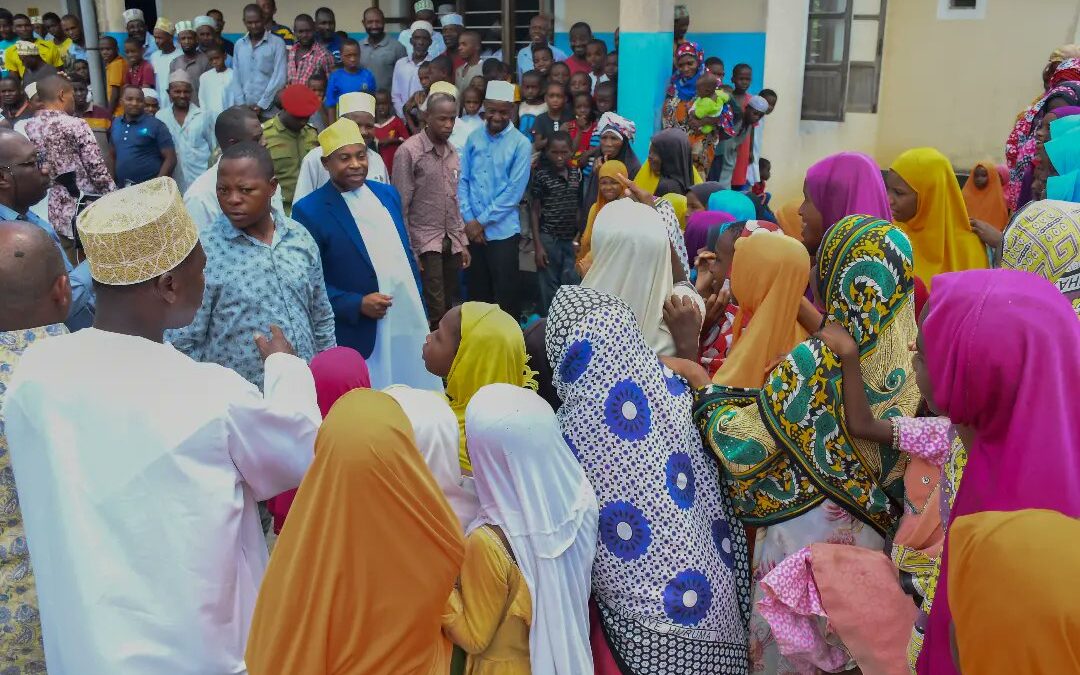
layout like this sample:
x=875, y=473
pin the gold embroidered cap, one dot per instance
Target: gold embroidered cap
x=164, y=25
x=338, y=135
x=137, y=233
x=442, y=87
x=26, y=48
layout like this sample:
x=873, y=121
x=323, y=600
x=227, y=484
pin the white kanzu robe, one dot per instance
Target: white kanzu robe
x=397, y=357
x=138, y=473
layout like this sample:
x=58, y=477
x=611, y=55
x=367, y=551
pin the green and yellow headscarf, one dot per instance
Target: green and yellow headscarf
x=784, y=448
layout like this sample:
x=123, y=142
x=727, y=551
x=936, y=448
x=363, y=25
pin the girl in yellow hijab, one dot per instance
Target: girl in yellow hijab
x=475, y=345
x=1013, y=606
x=361, y=573
x=769, y=274
x=927, y=205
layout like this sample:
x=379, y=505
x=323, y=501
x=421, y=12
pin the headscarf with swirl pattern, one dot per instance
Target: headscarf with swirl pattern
x=784, y=448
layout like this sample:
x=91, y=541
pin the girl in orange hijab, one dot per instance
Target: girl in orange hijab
x=363, y=568
x=769, y=274
x=609, y=189
x=985, y=197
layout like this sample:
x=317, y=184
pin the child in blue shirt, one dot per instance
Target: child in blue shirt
x=349, y=78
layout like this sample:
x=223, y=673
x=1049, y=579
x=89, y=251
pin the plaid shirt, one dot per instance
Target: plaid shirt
x=303, y=66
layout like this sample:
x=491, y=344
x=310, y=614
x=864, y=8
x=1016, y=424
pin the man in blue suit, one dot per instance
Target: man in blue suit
x=371, y=276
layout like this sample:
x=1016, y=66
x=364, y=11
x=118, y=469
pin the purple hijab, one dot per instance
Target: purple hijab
x=847, y=184
x=697, y=229
x=1000, y=350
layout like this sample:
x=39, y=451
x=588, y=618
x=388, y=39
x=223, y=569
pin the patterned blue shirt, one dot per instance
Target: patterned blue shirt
x=494, y=175
x=250, y=285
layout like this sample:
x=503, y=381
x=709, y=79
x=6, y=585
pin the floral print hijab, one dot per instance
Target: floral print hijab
x=627, y=420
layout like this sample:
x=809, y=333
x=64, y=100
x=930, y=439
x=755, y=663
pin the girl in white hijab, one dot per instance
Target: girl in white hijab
x=632, y=260
x=435, y=429
x=534, y=496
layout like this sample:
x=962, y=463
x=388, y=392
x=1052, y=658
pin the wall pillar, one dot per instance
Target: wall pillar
x=645, y=49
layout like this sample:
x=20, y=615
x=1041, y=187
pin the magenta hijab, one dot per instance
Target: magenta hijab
x=1001, y=351
x=338, y=371
x=847, y=184
x=698, y=223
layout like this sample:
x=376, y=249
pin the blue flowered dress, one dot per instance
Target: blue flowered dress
x=671, y=576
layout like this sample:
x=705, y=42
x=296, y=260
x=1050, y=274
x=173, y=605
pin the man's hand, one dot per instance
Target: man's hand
x=475, y=232
x=635, y=191
x=277, y=343
x=541, y=255
x=694, y=122
x=466, y=258
x=375, y=305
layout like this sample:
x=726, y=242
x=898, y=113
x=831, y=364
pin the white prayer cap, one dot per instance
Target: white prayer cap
x=422, y=25
x=356, y=101
x=133, y=15
x=445, y=8
x=439, y=87
x=30, y=90
x=452, y=19
x=423, y=6
x=758, y=103
x=204, y=20
x=498, y=90
x=180, y=75
x=184, y=26
x=150, y=92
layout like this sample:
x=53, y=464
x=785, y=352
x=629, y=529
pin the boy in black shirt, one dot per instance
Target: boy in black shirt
x=556, y=190
x=556, y=117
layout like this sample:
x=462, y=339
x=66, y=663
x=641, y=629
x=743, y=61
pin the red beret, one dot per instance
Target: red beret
x=299, y=101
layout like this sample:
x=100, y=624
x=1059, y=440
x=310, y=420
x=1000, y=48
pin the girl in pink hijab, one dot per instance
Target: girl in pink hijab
x=997, y=355
x=841, y=185
x=337, y=371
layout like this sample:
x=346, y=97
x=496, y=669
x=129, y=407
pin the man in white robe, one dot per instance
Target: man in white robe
x=359, y=106
x=371, y=275
x=139, y=470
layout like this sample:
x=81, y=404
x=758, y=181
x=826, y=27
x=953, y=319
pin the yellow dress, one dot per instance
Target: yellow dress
x=490, y=614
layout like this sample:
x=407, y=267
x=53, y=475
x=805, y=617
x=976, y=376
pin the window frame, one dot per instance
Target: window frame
x=844, y=66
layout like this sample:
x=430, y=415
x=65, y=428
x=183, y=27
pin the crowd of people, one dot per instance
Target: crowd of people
x=391, y=356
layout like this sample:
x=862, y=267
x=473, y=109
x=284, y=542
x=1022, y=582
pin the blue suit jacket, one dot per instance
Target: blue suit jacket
x=345, y=260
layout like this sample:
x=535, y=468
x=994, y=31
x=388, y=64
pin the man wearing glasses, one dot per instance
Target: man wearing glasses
x=67, y=145
x=24, y=178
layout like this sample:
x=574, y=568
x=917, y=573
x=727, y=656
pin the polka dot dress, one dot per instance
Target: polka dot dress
x=671, y=576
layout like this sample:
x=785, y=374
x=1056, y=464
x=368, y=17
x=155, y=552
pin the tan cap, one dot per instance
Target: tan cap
x=137, y=233
x=356, y=101
x=338, y=135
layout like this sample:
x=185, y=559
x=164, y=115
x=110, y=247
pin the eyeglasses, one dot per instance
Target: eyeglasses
x=37, y=162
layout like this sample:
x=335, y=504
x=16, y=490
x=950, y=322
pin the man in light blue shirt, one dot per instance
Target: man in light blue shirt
x=539, y=31
x=494, y=174
x=259, y=65
x=23, y=183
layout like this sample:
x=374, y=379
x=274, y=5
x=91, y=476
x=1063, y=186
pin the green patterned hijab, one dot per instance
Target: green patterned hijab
x=804, y=453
